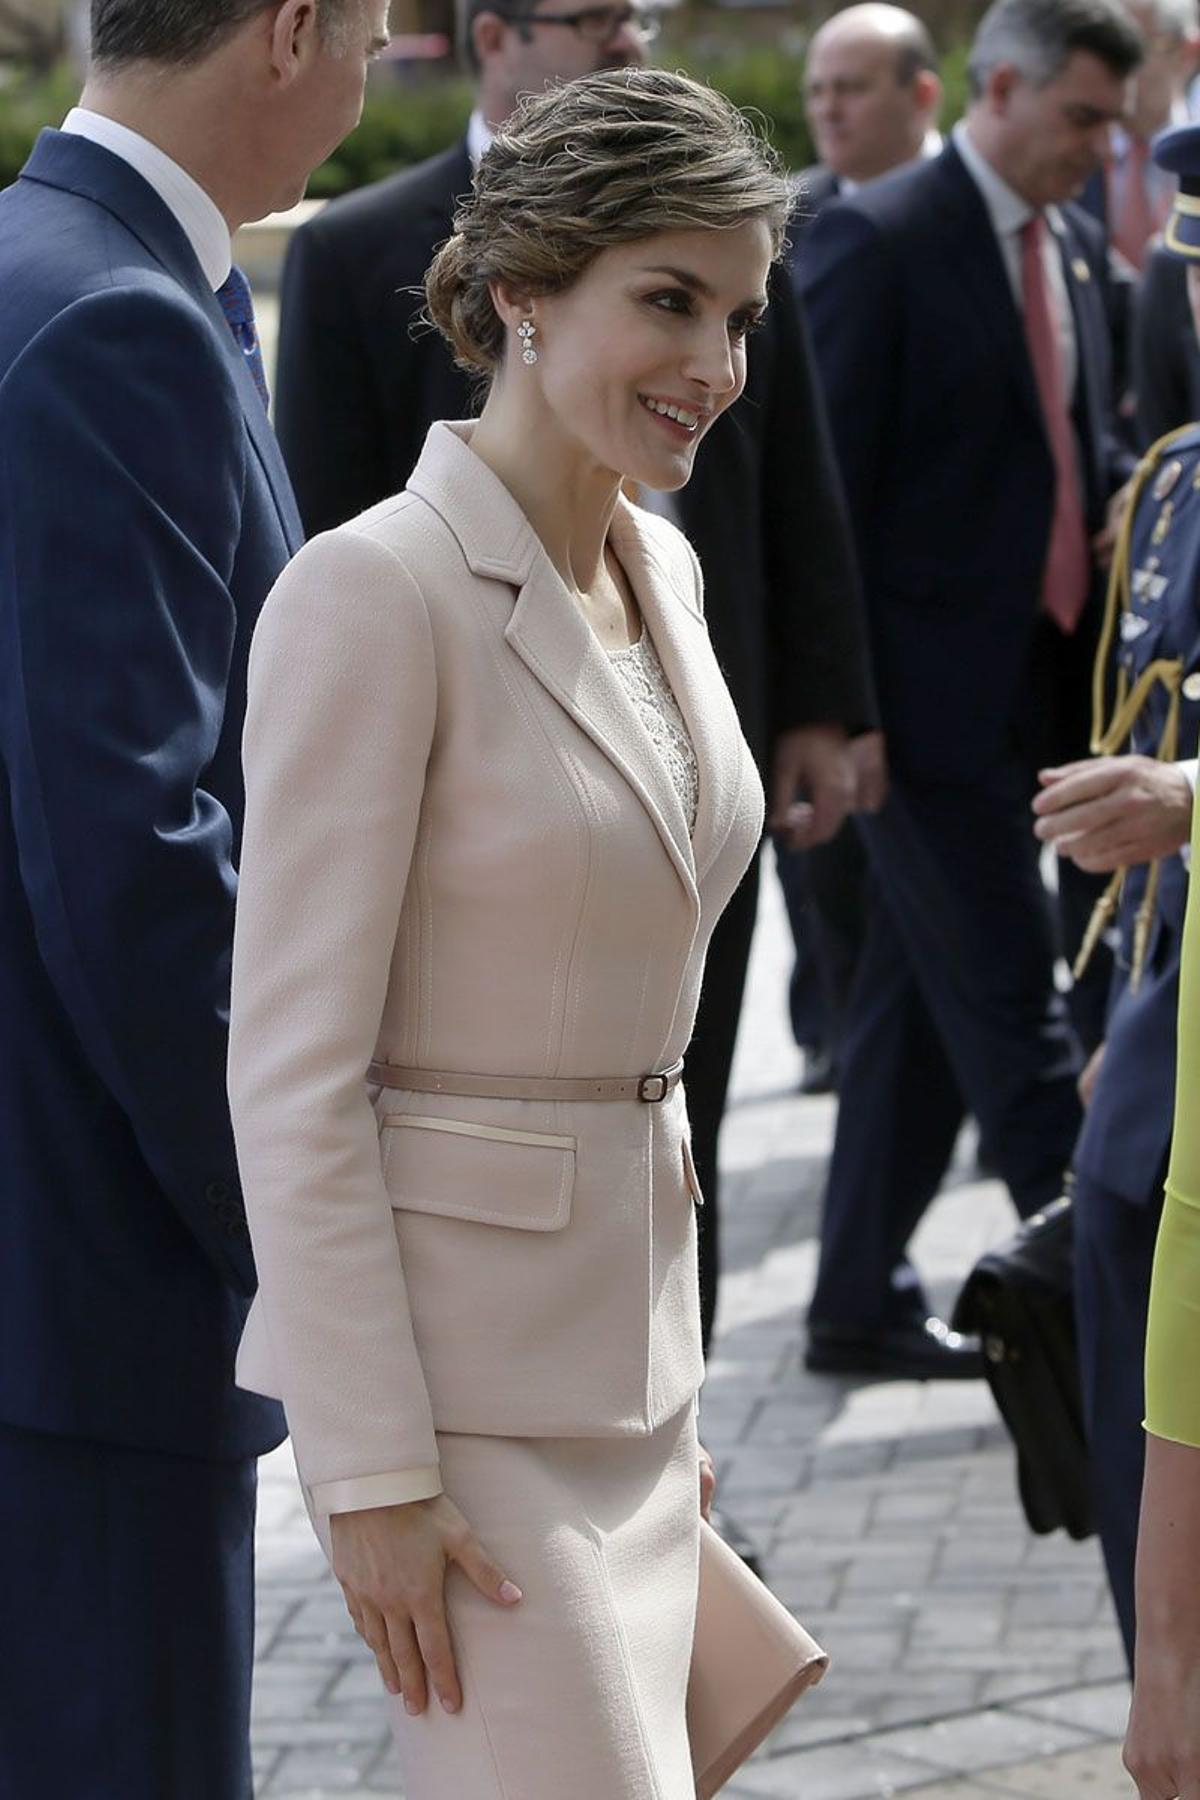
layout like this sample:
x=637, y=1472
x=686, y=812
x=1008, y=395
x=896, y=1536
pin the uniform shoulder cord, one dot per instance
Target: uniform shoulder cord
x=1128, y=702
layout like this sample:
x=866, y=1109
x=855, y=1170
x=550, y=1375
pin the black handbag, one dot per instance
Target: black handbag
x=1019, y=1300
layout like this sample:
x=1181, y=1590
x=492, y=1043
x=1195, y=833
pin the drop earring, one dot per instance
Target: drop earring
x=526, y=331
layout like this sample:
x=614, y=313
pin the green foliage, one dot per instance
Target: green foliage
x=401, y=124
x=953, y=71
x=768, y=84
x=25, y=106
x=404, y=123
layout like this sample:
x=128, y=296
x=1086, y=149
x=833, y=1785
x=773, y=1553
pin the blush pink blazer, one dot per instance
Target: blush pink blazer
x=462, y=852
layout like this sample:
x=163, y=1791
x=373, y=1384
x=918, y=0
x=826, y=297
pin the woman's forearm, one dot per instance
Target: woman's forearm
x=1162, y=1749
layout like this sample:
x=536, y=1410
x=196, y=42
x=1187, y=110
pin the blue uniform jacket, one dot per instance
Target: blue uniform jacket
x=144, y=514
x=1127, y=1130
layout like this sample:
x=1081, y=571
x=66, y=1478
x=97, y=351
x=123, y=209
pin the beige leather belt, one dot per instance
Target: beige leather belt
x=652, y=1089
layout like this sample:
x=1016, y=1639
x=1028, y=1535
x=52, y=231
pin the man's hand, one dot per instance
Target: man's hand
x=1113, y=811
x=816, y=762
x=871, y=770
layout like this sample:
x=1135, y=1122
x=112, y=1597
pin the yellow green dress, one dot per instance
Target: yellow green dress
x=1173, y=1341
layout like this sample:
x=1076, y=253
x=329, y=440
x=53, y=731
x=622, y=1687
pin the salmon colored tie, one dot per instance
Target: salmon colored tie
x=1068, y=574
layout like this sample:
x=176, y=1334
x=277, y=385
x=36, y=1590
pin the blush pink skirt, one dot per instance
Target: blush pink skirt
x=580, y=1690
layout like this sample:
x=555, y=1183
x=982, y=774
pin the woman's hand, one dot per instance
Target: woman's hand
x=708, y=1483
x=1162, y=1744
x=391, y=1562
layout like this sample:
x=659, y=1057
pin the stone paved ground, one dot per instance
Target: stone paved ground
x=968, y=1657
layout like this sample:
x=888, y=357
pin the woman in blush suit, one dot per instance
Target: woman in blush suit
x=497, y=799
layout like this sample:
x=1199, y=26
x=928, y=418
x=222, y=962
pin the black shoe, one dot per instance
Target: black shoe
x=737, y=1540
x=820, y=1073
x=922, y=1350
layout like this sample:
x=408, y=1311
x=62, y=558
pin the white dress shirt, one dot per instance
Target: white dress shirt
x=479, y=137
x=1009, y=213
x=196, y=211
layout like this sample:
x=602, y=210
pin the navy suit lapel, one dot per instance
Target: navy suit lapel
x=1087, y=311
x=979, y=265
x=63, y=160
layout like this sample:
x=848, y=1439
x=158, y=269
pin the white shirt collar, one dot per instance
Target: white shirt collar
x=1006, y=209
x=196, y=211
x=479, y=137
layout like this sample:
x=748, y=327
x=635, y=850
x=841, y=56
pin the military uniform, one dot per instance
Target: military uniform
x=1152, y=634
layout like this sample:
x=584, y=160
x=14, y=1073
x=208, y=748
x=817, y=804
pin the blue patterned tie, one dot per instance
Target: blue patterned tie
x=238, y=306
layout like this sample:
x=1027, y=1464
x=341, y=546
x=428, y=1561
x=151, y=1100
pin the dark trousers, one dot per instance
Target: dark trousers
x=1114, y=1253
x=954, y=1005
x=709, y=1060
x=127, y=1600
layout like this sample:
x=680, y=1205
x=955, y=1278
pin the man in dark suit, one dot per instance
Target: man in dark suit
x=359, y=384
x=959, y=322
x=871, y=94
x=144, y=513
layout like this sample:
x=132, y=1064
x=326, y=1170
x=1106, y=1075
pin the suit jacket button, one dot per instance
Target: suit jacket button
x=217, y=1192
x=1191, y=687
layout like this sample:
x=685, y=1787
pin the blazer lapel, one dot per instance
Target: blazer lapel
x=60, y=159
x=262, y=434
x=1087, y=313
x=549, y=633
x=979, y=264
x=681, y=638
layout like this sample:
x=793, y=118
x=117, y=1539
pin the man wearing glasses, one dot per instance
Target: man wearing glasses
x=358, y=387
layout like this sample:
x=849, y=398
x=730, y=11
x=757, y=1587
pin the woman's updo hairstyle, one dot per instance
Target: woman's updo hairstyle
x=606, y=159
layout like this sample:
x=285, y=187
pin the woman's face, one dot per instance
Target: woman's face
x=650, y=326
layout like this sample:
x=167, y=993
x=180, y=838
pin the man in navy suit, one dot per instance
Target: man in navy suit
x=871, y=96
x=958, y=317
x=1134, y=811
x=144, y=514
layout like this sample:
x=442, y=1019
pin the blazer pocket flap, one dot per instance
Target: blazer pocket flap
x=457, y=1169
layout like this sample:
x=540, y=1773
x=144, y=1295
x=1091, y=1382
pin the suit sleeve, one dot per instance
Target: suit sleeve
x=339, y=726
x=327, y=410
x=850, y=296
x=122, y=452
x=820, y=669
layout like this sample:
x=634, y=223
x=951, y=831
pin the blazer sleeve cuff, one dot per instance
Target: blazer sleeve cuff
x=363, y=1491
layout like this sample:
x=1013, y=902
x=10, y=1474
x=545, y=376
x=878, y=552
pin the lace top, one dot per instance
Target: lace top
x=644, y=680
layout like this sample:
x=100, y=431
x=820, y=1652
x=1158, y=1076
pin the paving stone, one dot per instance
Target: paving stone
x=1093, y=1774
x=852, y=1772
x=1103, y=1708
x=982, y=1740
